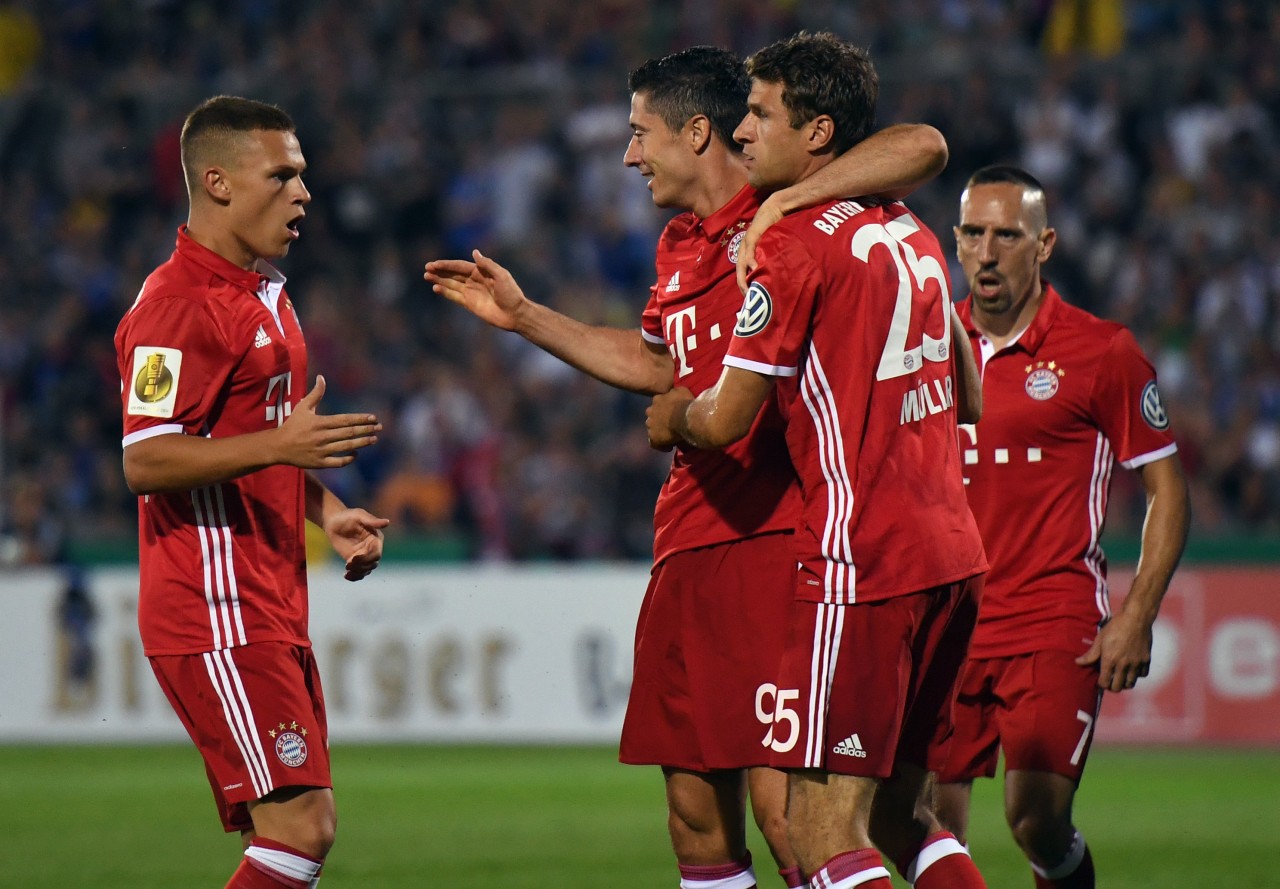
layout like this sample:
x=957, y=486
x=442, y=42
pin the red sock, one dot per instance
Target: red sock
x=942, y=863
x=793, y=877
x=1075, y=871
x=734, y=875
x=863, y=869
x=270, y=865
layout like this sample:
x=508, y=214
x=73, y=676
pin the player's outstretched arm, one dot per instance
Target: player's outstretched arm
x=306, y=439
x=1122, y=649
x=356, y=535
x=717, y=418
x=889, y=165
x=968, y=380
x=621, y=358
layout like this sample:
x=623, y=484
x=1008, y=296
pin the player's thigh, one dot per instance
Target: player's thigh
x=1050, y=713
x=973, y=748
x=256, y=713
x=940, y=645
x=708, y=642
x=844, y=686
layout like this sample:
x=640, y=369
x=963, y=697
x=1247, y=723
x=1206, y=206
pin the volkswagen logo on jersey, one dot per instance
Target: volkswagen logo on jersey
x=757, y=309
x=1152, y=408
x=1042, y=384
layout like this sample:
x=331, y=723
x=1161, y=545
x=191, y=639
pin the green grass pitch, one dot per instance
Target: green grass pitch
x=568, y=817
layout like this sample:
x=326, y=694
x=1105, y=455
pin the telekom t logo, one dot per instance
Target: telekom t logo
x=1000, y=456
x=279, y=388
x=681, y=339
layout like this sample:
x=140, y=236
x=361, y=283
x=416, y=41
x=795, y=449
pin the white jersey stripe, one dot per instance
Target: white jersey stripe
x=212, y=528
x=233, y=587
x=814, y=717
x=812, y=400
x=255, y=737
x=828, y=627
x=203, y=533
x=221, y=589
x=1094, y=557
x=837, y=544
x=769, y=370
x=259, y=774
x=844, y=516
x=1158, y=454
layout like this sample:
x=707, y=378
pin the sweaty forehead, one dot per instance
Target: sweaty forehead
x=1001, y=204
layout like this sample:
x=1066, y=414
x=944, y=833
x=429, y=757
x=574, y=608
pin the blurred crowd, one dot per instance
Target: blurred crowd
x=434, y=127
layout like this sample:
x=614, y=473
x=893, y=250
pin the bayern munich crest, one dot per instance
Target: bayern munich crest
x=1042, y=384
x=291, y=747
x=734, y=243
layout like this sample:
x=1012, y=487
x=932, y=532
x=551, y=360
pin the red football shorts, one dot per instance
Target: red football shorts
x=257, y=715
x=710, y=633
x=1040, y=707
x=866, y=685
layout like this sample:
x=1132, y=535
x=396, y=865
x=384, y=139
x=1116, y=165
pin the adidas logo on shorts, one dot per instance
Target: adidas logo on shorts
x=850, y=746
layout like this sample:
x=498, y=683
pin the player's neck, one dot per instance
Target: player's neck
x=221, y=241
x=1004, y=328
x=723, y=179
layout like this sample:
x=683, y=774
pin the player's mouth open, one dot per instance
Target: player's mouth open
x=987, y=285
x=292, y=225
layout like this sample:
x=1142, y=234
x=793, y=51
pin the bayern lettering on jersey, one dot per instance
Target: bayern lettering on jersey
x=858, y=333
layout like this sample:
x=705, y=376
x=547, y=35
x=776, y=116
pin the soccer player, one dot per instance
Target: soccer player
x=713, y=621
x=218, y=438
x=1066, y=395
x=847, y=317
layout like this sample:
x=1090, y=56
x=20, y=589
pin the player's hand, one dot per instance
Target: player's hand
x=660, y=418
x=483, y=288
x=1121, y=652
x=769, y=213
x=313, y=441
x=356, y=536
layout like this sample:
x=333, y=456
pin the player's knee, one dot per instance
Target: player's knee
x=317, y=831
x=773, y=827
x=1038, y=832
x=702, y=838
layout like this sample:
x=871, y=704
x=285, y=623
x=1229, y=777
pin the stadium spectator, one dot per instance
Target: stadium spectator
x=1066, y=395
x=890, y=559
x=219, y=441
x=713, y=621
x=394, y=97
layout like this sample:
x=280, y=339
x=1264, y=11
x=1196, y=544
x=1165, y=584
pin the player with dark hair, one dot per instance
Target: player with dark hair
x=218, y=438
x=847, y=318
x=1067, y=395
x=713, y=621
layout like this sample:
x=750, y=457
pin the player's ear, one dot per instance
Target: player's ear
x=216, y=184
x=1048, y=238
x=822, y=129
x=698, y=131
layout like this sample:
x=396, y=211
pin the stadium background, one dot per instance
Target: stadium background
x=434, y=127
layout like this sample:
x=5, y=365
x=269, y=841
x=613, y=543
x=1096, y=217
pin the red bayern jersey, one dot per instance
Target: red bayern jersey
x=850, y=309
x=713, y=496
x=1071, y=396
x=211, y=349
